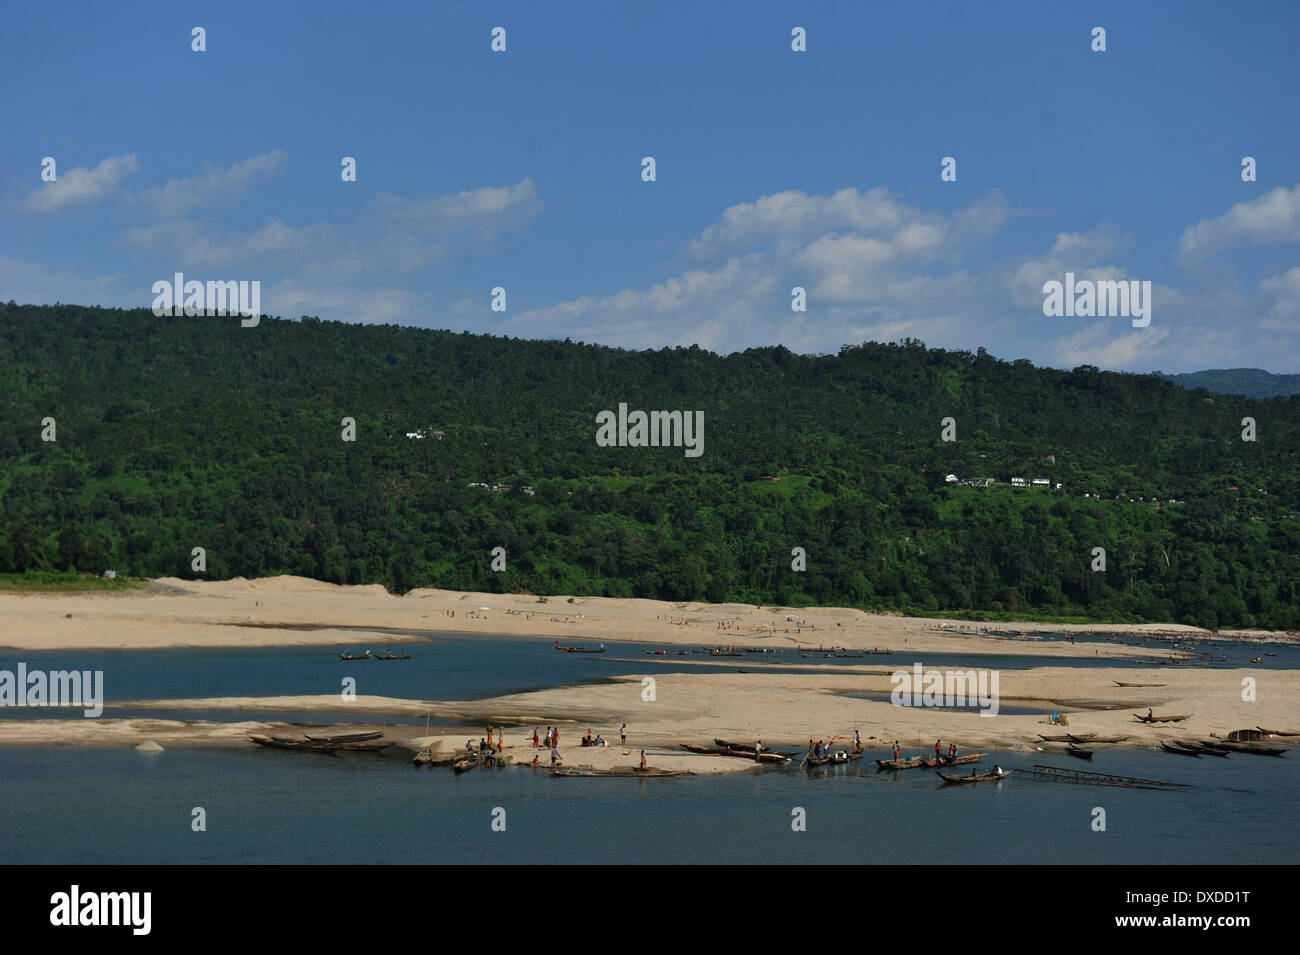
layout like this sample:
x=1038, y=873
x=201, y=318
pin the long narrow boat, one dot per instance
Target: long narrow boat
x=837, y=757
x=628, y=772
x=992, y=774
x=1079, y=751
x=347, y=737
x=1203, y=749
x=1180, y=750
x=747, y=747
x=1063, y=738
x=287, y=742
x=1255, y=750
x=749, y=754
x=1098, y=739
x=1162, y=719
x=1117, y=683
x=367, y=746
x=927, y=762
x=705, y=750
x=734, y=749
x=404, y=656
x=347, y=657
x=1278, y=732
x=430, y=758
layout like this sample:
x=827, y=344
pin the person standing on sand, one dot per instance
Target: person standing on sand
x=643, y=760
x=622, y=735
x=536, y=738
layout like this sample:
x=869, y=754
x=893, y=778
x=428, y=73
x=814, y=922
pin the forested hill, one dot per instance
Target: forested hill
x=1253, y=382
x=175, y=433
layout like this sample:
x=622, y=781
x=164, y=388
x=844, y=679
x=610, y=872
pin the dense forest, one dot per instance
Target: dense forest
x=173, y=433
x=1252, y=382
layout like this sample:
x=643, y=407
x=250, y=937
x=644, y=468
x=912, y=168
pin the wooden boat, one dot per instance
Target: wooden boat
x=736, y=750
x=367, y=746
x=746, y=747
x=348, y=656
x=1256, y=750
x=627, y=772
x=1278, y=732
x=927, y=762
x=463, y=763
x=429, y=758
x=1162, y=719
x=1202, y=748
x=1180, y=750
x=706, y=750
x=1063, y=738
x=992, y=774
x=1098, y=739
x=287, y=742
x=404, y=656
x=347, y=737
x=749, y=754
x=1079, y=751
x=837, y=757
x=1117, y=683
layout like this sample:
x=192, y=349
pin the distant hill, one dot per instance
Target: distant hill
x=129, y=441
x=1251, y=382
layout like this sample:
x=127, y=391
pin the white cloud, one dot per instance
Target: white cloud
x=1284, y=314
x=1097, y=344
x=1271, y=219
x=866, y=260
x=481, y=211
x=24, y=281
x=1077, y=252
x=191, y=246
x=79, y=186
x=215, y=183
x=797, y=215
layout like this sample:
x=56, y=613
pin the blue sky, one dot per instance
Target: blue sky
x=820, y=169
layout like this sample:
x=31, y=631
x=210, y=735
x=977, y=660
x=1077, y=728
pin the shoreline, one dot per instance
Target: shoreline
x=289, y=611
x=782, y=709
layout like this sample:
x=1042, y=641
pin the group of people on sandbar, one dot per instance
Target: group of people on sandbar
x=821, y=748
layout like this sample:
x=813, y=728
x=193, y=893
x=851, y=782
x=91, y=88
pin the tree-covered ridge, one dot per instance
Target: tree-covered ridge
x=181, y=432
x=1252, y=382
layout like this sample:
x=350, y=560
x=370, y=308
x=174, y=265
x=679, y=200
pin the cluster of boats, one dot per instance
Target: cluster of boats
x=928, y=762
x=1076, y=743
x=1218, y=748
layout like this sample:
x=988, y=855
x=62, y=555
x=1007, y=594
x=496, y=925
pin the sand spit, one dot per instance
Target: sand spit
x=284, y=611
x=781, y=709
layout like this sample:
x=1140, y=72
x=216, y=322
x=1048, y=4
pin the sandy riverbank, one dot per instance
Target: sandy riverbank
x=782, y=709
x=282, y=611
